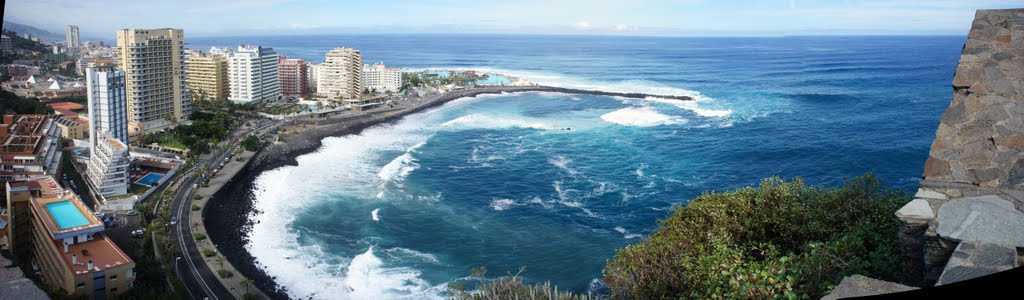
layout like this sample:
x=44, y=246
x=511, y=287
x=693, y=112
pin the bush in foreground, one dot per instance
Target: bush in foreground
x=209, y=252
x=508, y=287
x=781, y=239
x=225, y=273
x=200, y=236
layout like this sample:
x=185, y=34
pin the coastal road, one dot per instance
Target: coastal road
x=197, y=277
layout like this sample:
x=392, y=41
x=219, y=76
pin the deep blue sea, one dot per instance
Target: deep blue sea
x=403, y=209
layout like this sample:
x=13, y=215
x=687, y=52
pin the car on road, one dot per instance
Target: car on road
x=174, y=220
x=137, y=233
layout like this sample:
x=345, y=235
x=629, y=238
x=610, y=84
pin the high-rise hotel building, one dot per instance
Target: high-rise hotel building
x=108, y=103
x=108, y=126
x=293, y=76
x=71, y=37
x=253, y=74
x=208, y=76
x=153, y=62
x=340, y=75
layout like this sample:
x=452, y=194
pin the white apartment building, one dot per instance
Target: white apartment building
x=312, y=75
x=381, y=79
x=253, y=74
x=108, y=165
x=341, y=75
x=108, y=104
x=71, y=37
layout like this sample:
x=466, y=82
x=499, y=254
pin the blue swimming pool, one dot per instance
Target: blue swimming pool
x=66, y=215
x=150, y=179
x=493, y=80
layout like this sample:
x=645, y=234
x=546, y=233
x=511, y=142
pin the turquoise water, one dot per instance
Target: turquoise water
x=66, y=215
x=403, y=209
x=150, y=179
x=493, y=80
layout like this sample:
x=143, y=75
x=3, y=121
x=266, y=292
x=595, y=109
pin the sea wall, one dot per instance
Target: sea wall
x=973, y=181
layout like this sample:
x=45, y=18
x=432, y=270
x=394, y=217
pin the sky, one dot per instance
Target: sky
x=100, y=18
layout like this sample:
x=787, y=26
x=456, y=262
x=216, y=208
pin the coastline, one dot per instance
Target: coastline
x=228, y=210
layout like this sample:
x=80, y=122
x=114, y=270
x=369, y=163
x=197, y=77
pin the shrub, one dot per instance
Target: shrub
x=781, y=239
x=224, y=273
x=209, y=252
x=195, y=207
x=197, y=197
x=249, y=296
x=508, y=287
x=200, y=236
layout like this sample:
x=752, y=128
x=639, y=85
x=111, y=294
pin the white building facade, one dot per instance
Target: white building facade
x=71, y=37
x=253, y=74
x=312, y=76
x=381, y=79
x=108, y=165
x=340, y=75
x=108, y=103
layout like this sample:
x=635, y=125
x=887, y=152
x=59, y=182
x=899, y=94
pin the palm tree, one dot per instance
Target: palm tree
x=246, y=283
x=220, y=261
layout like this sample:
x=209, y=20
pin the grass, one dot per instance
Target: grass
x=195, y=207
x=138, y=189
x=209, y=252
x=200, y=236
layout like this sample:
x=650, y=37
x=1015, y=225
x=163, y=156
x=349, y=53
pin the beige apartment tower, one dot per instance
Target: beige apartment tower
x=153, y=62
x=340, y=75
x=208, y=76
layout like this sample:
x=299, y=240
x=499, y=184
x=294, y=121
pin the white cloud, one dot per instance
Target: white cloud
x=624, y=27
x=582, y=25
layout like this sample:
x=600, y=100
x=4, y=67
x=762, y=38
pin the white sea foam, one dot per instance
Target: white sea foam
x=425, y=257
x=641, y=117
x=620, y=229
x=693, y=106
x=563, y=163
x=503, y=204
x=398, y=168
x=475, y=121
x=640, y=170
x=366, y=278
x=373, y=214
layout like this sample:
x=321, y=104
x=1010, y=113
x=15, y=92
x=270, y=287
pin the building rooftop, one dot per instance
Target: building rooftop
x=71, y=106
x=60, y=210
x=103, y=253
x=22, y=134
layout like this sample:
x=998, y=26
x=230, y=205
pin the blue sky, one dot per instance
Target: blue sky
x=99, y=18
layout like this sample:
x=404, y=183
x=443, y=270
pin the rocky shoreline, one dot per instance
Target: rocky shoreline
x=227, y=215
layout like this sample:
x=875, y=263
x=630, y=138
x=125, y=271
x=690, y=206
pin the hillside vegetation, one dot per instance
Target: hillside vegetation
x=779, y=240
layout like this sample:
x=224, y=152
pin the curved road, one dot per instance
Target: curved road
x=200, y=281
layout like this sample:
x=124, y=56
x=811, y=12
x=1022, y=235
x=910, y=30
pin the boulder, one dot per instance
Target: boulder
x=983, y=219
x=860, y=286
x=972, y=260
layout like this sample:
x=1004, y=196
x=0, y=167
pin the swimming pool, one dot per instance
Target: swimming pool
x=150, y=179
x=66, y=215
x=493, y=80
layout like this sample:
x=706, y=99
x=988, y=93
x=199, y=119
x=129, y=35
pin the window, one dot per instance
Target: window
x=80, y=285
x=113, y=277
x=113, y=290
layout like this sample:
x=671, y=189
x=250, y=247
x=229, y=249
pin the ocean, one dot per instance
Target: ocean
x=555, y=183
